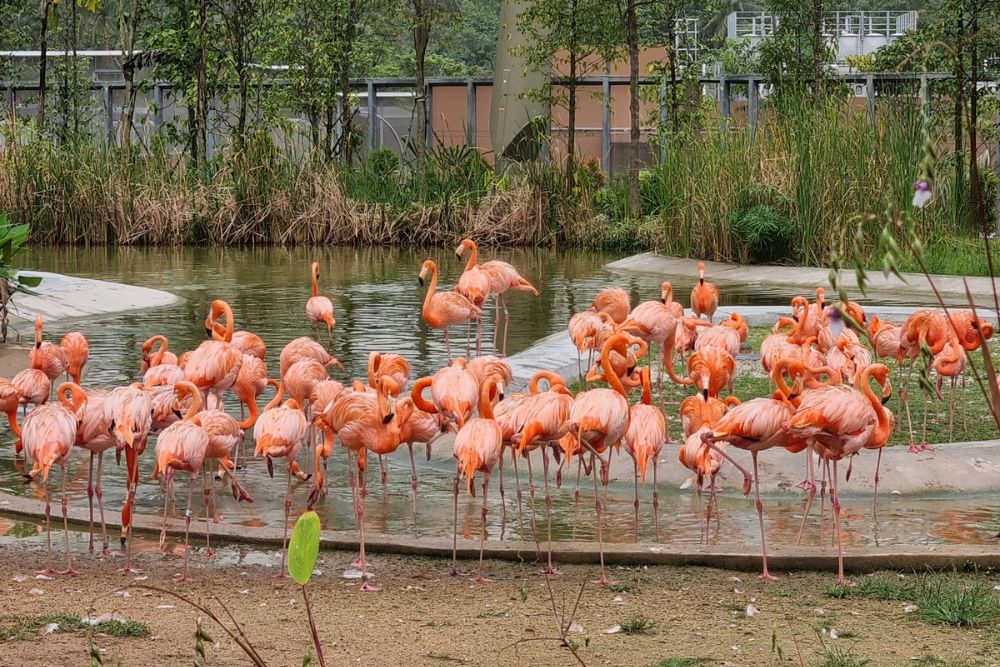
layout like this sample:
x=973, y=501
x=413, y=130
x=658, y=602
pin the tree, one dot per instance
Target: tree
x=797, y=51
x=244, y=29
x=424, y=17
x=563, y=37
x=43, y=63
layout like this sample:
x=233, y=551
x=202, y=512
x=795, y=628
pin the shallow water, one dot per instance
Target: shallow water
x=377, y=305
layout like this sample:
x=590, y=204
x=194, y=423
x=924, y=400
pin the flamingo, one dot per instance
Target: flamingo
x=364, y=423
x=614, y=301
x=154, y=357
x=950, y=363
x=392, y=369
x=588, y=330
x=478, y=446
x=49, y=434
x=46, y=357
x=704, y=296
x=755, y=426
x=444, y=309
x=839, y=421
x=9, y=400
x=420, y=427
x=454, y=392
x=319, y=309
x=474, y=285
x=304, y=348
x=923, y=328
x=163, y=375
x=94, y=435
x=599, y=420
x=129, y=412
x=487, y=366
x=503, y=278
x=643, y=440
x=279, y=433
x=704, y=462
x=76, y=349
x=183, y=446
x=215, y=364
x=250, y=384
x=33, y=387
x=546, y=416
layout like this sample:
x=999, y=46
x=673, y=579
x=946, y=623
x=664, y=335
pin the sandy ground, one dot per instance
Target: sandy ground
x=423, y=616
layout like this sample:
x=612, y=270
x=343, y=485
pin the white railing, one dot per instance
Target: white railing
x=889, y=24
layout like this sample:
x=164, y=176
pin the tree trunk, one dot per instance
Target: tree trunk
x=959, y=111
x=571, y=102
x=817, y=48
x=128, y=72
x=347, y=113
x=241, y=112
x=43, y=65
x=672, y=103
x=978, y=205
x=632, y=39
x=201, y=114
x=74, y=101
x=421, y=36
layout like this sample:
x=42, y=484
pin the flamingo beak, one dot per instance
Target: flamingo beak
x=208, y=332
x=420, y=280
x=886, y=398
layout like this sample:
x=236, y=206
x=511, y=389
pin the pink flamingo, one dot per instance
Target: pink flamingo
x=589, y=330
x=94, y=435
x=478, y=445
x=154, y=357
x=215, y=364
x=704, y=296
x=319, y=309
x=280, y=433
x=46, y=357
x=304, y=348
x=76, y=349
x=9, y=400
x=454, y=392
x=643, y=440
x=614, y=301
x=503, y=278
x=444, y=309
x=839, y=421
x=474, y=285
x=49, y=434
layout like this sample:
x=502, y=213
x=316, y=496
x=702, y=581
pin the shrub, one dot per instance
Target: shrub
x=763, y=233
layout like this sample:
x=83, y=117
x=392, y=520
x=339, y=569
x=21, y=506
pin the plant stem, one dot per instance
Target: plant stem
x=312, y=626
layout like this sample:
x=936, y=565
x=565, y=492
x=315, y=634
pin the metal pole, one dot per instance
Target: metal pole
x=753, y=102
x=606, y=127
x=10, y=101
x=870, y=94
x=108, y=110
x=470, y=97
x=925, y=96
x=372, y=111
x=664, y=117
x=158, y=104
x=429, y=130
x=724, y=100
x=996, y=162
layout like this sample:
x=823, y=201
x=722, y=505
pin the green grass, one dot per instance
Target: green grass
x=20, y=627
x=491, y=613
x=876, y=587
x=930, y=660
x=958, y=602
x=638, y=625
x=836, y=656
x=682, y=662
x=624, y=587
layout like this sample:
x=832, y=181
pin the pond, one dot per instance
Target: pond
x=377, y=306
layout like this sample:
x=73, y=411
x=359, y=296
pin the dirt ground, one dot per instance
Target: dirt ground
x=423, y=616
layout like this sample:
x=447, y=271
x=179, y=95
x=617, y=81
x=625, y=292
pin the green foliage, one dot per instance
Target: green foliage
x=838, y=656
x=876, y=587
x=682, y=662
x=638, y=625
x=962, y=603
x=764, y=232
x=303, y=547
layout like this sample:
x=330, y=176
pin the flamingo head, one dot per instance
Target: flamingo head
x=315, y=270
x=428, y=267
x=666, y=292
x=466, y=244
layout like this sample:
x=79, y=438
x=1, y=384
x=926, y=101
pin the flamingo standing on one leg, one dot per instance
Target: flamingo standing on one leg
x=599, y=420
x=647, y=431
x=280, y=433
x=444, y=309
x=76, y=349
x=704, y=296
x=478, y=446
x=504, y=278
x=319, y=309
x=49, y=434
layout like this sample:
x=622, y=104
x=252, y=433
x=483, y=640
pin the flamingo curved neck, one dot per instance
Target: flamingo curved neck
x=315, y=284
x=417, y=394
x=431, y=288
x=473, y=255
x=279, y=393
x=229, y=322
x=610, y=375
x=186, y=388
x=647, y=394
x=882, y=429
x=486, y=398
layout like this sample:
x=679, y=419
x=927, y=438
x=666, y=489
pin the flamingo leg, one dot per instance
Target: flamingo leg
x=656, y=504
x=384, y=477
x=576, y=493
x=90, y=502
x=951, y=410
x=166, y=503
x=454, y=521
x=878, y=465
x=496, y=321
x=822, y=498
x=207, y=497
x=635, y=499
x=765, y=575
x=482, y=534
x=366, y=585
x=413, y=479
x=923, y=432
x=702, y=526
x=447, y=344
x=520, y=505
x=187, y=532
x=48, y=532
x=282, y=574
x=835, y=503
x=549, y=568
x=99, y=492
x=132, y=465
x=905, y=397
x=810, y=486
x=531, y=495
x=506, y=324
x=603, y=580
x=65, y=507
x=503, y=501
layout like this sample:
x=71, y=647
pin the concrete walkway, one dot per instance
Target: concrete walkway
x=61, y=297
x=856, y=559
x=809, y=278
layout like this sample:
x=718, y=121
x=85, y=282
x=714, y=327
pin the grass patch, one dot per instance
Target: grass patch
x=833, y=656
x=491, y=613
x=624, y=587
x=682, y=662
x=962, y=603
x=638, y=625
x=19, y=627
x=875, y=587
x=934, y=661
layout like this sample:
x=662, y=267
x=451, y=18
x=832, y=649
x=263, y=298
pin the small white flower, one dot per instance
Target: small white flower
x=921, y=193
